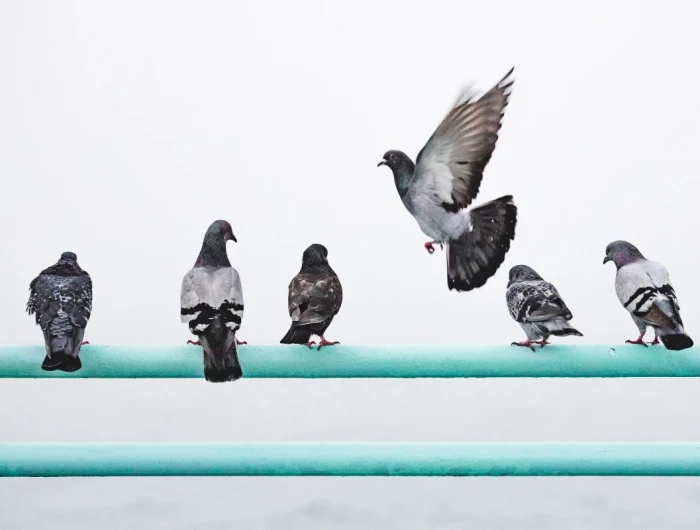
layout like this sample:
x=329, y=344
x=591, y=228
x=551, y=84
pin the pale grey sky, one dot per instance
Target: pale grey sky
x=127, y=127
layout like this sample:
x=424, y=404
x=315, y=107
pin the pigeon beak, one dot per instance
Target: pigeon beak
x=605, y=260
x=382, y=163
x=233, y=238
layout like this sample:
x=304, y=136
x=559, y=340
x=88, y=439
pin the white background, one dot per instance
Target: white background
x=126, y=128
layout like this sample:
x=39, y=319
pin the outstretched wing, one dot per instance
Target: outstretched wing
x=206, y=293
x=535, y=301
x=49, y=294
x=314, y=298
x=451, y=165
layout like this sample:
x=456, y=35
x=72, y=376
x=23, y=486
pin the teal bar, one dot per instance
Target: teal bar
x=342, y=361
x=350, y=459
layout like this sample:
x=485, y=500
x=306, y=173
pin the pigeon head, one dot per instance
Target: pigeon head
x=398, y=161
x=222, y=229
x=67, y=265
x=521, y=273
x=315, y=257
x=621, y=253
x=69, y=257
x=213, y=253
x=401, y=166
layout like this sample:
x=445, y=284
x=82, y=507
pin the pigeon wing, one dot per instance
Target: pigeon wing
x=206, y=293
x=640, y=286
x=314, y=298
x=451, y=165
x=48, y=294
x=535, y=302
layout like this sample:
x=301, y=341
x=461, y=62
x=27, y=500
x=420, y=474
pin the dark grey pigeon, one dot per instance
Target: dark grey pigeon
x=61, y=298
x=644, y=289
x=444, y=181
x=315, y=296
x=537, y=306
x=211, y=302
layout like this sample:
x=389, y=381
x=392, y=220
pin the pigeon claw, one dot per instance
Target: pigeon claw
x=325, y=342
x=639, y=341
x=525, y=343
x=240, y=342
x=195, y=342
x=310, y=343
x=430, y=246
x=655, y=341
x=542, y=342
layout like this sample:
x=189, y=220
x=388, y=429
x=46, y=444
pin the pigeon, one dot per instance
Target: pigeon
x=537, y=306
x=61, y=299
x=644, y=289
x=315, y=296
x=211, y=303
x=445, y=179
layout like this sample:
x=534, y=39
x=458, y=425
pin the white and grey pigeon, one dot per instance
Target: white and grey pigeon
x=537, y=306
x=644, y=289
x=61, y=298
x=444, y=181
x=211, y=302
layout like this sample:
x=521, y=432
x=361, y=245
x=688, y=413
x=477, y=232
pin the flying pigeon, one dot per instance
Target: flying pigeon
x=536, y=305
x=315, y=296
x=61, y=298
x=644, y=289
x=211, y=302
x=444, y=181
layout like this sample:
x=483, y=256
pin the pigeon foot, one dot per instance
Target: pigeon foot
x=542, y=342
x=639, y=341
x=525, y=343
x=240, y=342
x=195, y=342
x=310, y=343
x=655, y=341
x=325, y=342
x=430, y=248
x=84, y=342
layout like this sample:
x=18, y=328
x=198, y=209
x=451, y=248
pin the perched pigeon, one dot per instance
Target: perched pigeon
x=315, y=296
x=536, y=305
x=644, y=289
x=61, y=297
x=211, y=302
x=445, y=179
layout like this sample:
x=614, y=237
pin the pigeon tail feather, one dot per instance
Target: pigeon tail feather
x=676, y=341
x=297, y=334
x=220, y=353
x=478, y=253
x=559, y=327
x=63, y=340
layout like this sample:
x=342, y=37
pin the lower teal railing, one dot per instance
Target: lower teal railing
x=349, y=459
